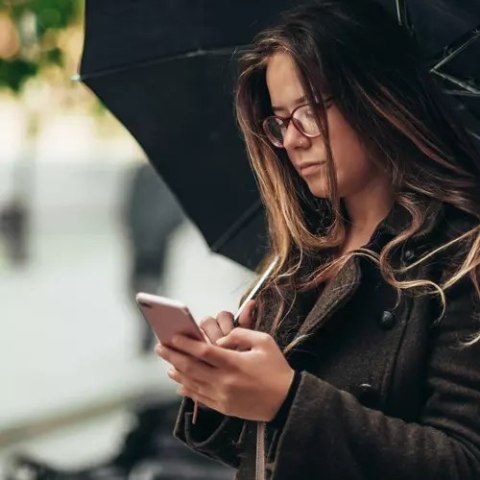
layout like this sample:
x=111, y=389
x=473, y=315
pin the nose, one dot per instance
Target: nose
x=293, y=138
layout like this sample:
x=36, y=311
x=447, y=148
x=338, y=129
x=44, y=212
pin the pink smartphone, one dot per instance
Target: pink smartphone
x=168, y=317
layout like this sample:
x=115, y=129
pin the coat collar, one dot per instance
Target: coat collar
x=345, y=283
x=398, y=218
x=335, y=294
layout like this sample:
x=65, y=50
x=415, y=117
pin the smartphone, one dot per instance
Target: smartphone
x=168, y=318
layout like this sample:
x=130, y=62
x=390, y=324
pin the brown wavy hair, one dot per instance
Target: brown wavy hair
x=380, y=82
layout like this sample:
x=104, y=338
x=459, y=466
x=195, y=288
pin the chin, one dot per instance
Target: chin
x=318, y=189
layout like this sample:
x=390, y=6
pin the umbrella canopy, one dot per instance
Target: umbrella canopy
x=166, y=68
x=449, y=34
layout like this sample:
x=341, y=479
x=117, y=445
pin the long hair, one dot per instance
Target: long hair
x=380, y=83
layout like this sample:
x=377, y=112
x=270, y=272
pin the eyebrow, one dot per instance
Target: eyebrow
x=296, y=102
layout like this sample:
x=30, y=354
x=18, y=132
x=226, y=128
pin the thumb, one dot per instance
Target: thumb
x=238, y=339
x=246, y=318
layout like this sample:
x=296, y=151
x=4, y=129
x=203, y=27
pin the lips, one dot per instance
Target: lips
x=308, y=168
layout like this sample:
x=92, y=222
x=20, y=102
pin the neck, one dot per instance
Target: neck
x=367, y=208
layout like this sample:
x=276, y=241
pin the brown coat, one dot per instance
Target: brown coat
x=384, y=394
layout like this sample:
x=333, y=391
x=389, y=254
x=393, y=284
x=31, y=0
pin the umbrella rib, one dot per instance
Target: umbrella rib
x=460, y=93
x=400, y=6
x=146, y=63
x=402, y=15
x=452, y=50
x=461, y=83
x=237, y=225
x=474, y=134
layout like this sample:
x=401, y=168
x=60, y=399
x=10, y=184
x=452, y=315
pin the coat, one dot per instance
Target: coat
x=386, y=392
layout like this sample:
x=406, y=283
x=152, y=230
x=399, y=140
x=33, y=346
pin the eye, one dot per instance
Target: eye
x=306, y=114
x=278, y=123
x=328, y=102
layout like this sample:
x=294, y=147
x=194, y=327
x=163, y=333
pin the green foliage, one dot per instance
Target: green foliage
x=13, y=73
x=51, y=14
x=37, y=24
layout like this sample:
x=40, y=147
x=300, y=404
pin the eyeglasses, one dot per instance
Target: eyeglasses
x=303, y=118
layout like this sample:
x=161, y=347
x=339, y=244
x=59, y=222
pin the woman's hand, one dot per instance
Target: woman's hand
x=249, y=384
x=222, y=324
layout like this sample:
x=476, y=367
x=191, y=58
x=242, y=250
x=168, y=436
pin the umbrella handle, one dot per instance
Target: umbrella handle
x=255, y=290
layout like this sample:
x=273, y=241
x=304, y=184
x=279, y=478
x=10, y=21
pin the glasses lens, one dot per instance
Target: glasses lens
x=275, y=130
x=305, y=120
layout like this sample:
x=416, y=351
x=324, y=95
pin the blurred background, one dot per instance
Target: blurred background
x=81, y=229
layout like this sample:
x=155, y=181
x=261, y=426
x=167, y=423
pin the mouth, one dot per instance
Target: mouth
x=309, y=168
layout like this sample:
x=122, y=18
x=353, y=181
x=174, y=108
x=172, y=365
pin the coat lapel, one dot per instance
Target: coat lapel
x=337, y=292
x=345, y=283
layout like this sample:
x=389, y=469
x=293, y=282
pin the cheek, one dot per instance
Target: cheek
x=352, y=164
x=350, y=158
x=353, y=168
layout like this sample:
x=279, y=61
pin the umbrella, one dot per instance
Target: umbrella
x=449, y=34
x=165, y=69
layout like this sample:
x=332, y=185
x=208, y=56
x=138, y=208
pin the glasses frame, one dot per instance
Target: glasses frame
x=286, y=122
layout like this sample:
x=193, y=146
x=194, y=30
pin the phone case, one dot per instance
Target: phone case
x=168, y=317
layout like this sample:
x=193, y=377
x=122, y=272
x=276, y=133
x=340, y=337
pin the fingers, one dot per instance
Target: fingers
x=225, y=321
x=197, y=388
x=246, y=318
x=211, y=328
x=208, y=353
x=197, y=396
x=244, y=339
x=216, y=328
x=186, y=364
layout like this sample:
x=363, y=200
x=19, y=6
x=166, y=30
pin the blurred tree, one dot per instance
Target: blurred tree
x=32, y=41
x=29, y=37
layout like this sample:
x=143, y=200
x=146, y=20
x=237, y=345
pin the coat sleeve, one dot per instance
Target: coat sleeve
x=215, y=435
x=340, y=438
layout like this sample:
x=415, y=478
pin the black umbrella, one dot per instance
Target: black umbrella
x=449, y=33
x=165, y=68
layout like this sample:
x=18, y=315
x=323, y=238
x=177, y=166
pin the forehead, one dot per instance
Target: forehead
x=283, y=80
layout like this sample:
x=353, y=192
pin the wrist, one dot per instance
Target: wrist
x=286, y=397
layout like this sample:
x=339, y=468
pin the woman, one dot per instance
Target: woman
x=364, y=359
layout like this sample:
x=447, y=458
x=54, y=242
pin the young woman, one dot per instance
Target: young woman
x=363, y=356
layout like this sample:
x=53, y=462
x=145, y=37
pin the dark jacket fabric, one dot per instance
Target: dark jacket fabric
x=385, y=391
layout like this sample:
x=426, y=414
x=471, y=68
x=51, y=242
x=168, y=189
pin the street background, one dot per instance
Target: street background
x=70, y=367
x=70, y=333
